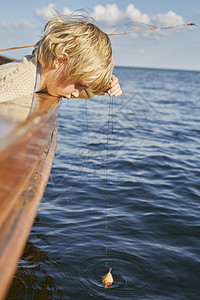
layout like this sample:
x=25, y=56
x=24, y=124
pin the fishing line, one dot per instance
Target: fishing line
x=87, y=129
x=109, y=130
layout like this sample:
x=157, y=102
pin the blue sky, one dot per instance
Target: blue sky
x=21, y=23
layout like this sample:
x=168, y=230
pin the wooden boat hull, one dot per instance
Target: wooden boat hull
x=26, y=157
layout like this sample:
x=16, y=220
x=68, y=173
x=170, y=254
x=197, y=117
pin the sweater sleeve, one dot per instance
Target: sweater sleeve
x=17, y=79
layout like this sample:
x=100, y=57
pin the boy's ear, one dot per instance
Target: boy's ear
x=62, y=59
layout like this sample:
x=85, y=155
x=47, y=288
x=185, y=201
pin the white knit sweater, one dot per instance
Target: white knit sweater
x=17, y=79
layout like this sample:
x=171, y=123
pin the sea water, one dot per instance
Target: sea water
x=124, y=192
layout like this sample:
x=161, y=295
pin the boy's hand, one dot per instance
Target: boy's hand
x=114, y=88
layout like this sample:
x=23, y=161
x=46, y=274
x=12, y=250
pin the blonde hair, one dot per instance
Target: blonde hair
x=88, y=48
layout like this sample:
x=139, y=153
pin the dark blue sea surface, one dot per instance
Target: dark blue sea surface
x=124, y=192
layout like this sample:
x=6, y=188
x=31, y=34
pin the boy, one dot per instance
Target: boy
x=73, y=59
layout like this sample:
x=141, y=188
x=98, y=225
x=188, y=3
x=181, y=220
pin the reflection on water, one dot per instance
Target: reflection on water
x=26, y=279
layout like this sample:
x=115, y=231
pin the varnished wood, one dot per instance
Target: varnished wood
x=26, y=156
x=5, y=60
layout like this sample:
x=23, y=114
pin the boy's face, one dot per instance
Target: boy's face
x=65, y=91
x=58, y=89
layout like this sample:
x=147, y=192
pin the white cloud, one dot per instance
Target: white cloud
x=170, y=18
x=4, y=25
x=23, y=25
x=46, y=12
x=133, y=14
x=141, y=50
x=67, y=11
x=109, y=15
x=112, y=15
x=133, y=19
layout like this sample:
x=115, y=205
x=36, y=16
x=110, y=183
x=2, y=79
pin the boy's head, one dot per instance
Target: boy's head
x=88, y=49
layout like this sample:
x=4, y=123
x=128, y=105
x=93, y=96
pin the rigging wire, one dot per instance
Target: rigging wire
x=152, y=28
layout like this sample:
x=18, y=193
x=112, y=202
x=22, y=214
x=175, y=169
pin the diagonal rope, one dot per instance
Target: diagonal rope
x=14, y=48
x=119, y=33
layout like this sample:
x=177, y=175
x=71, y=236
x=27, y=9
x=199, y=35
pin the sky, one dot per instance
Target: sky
x=22, y=22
